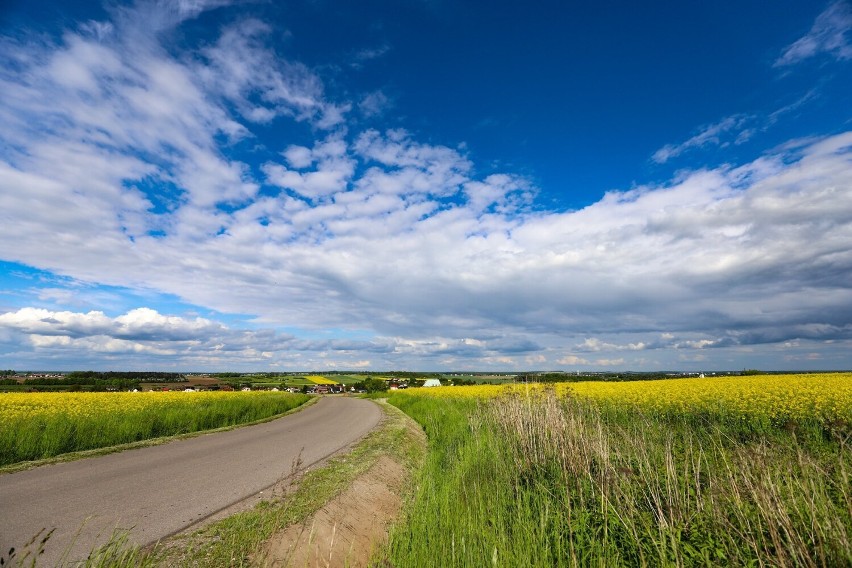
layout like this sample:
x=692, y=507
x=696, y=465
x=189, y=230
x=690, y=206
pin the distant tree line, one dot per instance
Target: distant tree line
x=372, y=385
x=95, y=381
x=73, y=384
x=462, y=382
x=414, y=375
x=158, y=376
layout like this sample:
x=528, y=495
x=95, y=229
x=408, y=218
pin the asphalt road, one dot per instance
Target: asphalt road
x=160, y=490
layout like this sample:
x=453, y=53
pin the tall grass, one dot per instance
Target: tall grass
x=547, y=481
x=44, y=425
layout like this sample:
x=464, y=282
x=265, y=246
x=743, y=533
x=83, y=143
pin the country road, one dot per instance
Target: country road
x=160, y=490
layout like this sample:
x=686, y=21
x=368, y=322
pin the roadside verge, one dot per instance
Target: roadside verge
x=335, y=513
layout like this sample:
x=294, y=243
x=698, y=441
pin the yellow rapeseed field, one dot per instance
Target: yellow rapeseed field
x=823, y=396
x=320, y=380
x=36, y=406
x=42, y=425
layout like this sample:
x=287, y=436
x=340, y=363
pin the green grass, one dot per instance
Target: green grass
x=30, y=436
x=348, y=379
x=275, y=381
x=541, y=481
x=546, y=482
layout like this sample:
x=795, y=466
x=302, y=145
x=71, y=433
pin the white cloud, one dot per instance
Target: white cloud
x=535, y=359
x=119, y=166
x=395, y=148
x=374, y=104
x=503, y=192
x=593, y=344
x=368, y=54
x=829, y=34
x=298, y=157
x=626, y=251
x=572, y=360
x=708, y=135
x=159, y=15
x=142, y=334
x=328, y=179
x=140, y=323
x=263, y=86
x=332, y=175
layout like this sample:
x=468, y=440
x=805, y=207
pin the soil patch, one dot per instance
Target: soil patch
x=348, y=528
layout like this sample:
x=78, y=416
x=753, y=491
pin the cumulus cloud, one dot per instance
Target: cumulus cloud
x=140, y=324
x=122, y=164
x=829, y=34
x=717, y=259
x=144, y=335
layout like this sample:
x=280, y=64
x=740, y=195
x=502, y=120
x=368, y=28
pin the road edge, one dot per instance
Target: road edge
x=242, y=537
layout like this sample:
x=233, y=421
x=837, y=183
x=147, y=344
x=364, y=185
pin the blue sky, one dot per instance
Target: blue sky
x=428, y=185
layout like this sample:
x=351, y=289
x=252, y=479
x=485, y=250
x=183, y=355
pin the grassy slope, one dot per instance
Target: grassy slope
x=544, y=482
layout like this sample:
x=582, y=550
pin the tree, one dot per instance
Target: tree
x=372, y=385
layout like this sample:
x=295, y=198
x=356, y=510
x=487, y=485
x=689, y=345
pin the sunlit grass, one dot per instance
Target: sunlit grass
x=693, y=472
x=42, y=425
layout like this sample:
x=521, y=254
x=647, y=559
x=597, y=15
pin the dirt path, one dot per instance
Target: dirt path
x=347, y=529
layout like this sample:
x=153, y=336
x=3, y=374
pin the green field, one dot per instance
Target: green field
x=276, y=381
x=37, y=426
x=538, y=479
x=735, y=471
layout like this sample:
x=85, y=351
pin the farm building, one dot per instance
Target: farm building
x=432, y=383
